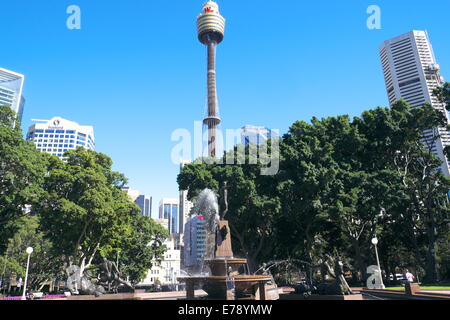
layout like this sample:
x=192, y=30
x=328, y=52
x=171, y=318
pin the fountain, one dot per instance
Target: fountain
x=335, y=289
x=229, y=277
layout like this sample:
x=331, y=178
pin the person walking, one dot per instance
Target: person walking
x=409, y=276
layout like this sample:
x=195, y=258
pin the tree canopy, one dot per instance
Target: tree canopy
x=86, y=215
x=341, y=182
x=22, y=172
x=71, y=211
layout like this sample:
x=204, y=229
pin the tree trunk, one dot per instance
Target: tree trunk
x=359, y=260
x=252, y=266
x=431, y=267
x=412, y=236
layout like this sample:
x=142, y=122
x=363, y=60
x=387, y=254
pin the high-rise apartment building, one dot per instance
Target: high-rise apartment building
x=256, y=135
x=59, y=135
x=11, y=88
x=169, y=209
x=411, y=72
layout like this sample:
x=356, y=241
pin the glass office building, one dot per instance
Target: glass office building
x=145, y=203
x=256, y=135
x=11, y=87
x=169, y=210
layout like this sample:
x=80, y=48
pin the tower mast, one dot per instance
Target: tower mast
x=211, y=31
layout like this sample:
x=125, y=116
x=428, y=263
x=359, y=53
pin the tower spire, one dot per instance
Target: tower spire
x=211, y=31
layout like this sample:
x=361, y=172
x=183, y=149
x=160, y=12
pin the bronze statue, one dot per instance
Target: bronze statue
x=339, y=286
x=108, y=280
x=110, y=276
x=81, y=284
x=222, y=233
x=223, y=207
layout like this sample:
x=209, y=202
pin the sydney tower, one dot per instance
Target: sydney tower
x=211, y=30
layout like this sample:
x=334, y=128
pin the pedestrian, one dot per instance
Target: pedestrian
x=409, y=276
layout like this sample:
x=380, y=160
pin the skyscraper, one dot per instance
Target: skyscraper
x=185, y=204
x=11, y=88
x=145, y=203
x=211, y=31
x=256, y=135
x=412, y=73
x=194, y=243
x=59, y=135
x=168, y=209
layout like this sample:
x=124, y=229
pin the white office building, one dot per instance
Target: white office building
x=58, y=135
x=166, y=271
x=11, y=88
x=411, y=72
x=163, y=223
x=256, y=135
x=132, y=194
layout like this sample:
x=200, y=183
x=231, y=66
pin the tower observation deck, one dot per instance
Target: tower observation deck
x=211, y=31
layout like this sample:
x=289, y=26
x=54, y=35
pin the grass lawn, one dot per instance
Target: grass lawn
x=432, y=287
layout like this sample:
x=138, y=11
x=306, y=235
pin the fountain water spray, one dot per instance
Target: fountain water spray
x=207, y=206
x=228, y=277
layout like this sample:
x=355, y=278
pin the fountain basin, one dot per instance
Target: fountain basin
x=221, y=267
x=218, y=287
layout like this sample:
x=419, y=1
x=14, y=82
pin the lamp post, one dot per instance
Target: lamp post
x=375, y=242
x=29, y=251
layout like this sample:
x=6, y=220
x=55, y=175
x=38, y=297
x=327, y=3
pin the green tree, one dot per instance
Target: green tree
x=22, y=171
x=44, y=265
x=306, y=173
x=252, y=203
x=138, y=252
x=422, y=189
x=342, y=182
x=84, y=211
x=443, y=94
x=87, y=216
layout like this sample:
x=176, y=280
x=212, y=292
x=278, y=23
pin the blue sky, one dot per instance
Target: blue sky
x=136, y=71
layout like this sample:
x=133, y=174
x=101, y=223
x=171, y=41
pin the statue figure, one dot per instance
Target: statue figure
x=342, y=283
x=110, y=276
x=81, y=284
x=222, y=232
x=339, y=286
x=264, y=269
x=224, y=200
